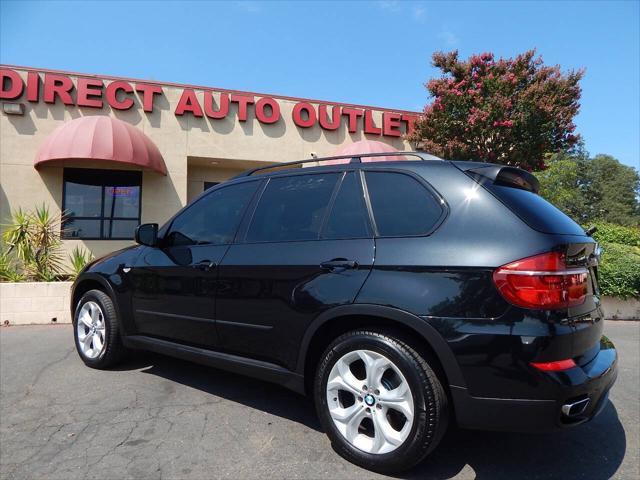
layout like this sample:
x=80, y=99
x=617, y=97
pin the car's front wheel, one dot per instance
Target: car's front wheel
x=95, y=329
x=379, y=401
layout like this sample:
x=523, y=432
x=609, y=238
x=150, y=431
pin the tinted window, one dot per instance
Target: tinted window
x=292, y=208
x=214, y=218
x=348, y=218
x=536, y=211
x=401, y=205
x=101, y=203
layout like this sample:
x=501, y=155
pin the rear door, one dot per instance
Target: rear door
x=307, y=248
x=174, y=284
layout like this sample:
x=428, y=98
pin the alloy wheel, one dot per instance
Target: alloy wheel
x=91, y=329
x=370, y=401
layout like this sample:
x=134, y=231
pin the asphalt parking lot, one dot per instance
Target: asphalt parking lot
x=157, y=417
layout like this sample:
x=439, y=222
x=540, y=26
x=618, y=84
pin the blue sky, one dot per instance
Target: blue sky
x=374, y=53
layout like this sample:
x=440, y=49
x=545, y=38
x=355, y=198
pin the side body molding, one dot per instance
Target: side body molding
x=428, y=333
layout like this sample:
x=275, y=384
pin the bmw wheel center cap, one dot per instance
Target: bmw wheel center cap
x=369, y=400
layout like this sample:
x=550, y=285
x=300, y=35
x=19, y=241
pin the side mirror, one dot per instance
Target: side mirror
x=147, y=234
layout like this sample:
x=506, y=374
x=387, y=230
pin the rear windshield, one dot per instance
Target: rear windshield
x=536, y=211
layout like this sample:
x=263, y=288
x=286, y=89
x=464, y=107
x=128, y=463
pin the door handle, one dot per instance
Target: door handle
x=204, y=265
x=339, y=263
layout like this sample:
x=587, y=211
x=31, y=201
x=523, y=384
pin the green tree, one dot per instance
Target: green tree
x=510, y=111
x=613, y=190
x=592, y=189
x=564, y=183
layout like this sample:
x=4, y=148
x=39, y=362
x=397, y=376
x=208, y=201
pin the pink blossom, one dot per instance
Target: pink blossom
x=486, y=56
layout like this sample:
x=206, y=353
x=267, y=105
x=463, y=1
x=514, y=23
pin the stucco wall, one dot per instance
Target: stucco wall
x=35, y=303
x=179, y=139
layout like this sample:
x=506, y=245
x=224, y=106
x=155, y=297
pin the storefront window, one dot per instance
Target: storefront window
x=101, y=204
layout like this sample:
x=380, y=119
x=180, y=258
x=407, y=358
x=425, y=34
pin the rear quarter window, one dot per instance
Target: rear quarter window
x=535, y=211
x=401, y=205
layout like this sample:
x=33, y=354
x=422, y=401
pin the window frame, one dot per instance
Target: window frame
x=361, y=190
x=102, y=218
x=440, y=200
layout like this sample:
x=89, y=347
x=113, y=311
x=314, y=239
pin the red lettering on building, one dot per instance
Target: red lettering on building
x=11, y=84
x=112, y=95
x=369, y=124
x=58, y=86
x=243, y=102
x=148, y=93
x=223, y=107
x=119, y=95
x=299, y=119
x=33, y=86
x=189, y=103
x=409, y=120
x=262, y=115
x=353, y=114
x=87, y=91
x=323, y=115
x=391, y=124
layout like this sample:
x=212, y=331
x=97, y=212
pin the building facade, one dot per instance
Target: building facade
x=155, y=146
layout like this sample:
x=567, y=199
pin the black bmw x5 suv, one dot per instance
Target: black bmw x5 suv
x=400, y=295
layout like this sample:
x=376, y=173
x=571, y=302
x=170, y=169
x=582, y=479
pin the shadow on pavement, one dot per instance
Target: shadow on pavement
x=253, y=393
x=594, y=450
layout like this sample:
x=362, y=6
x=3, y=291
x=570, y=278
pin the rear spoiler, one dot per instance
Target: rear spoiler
x=500, y=175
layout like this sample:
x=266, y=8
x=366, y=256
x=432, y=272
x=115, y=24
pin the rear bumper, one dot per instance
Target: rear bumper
x=582, y=391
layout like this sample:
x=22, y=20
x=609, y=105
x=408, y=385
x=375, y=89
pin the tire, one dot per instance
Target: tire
x=104, y=349
x=373, y=445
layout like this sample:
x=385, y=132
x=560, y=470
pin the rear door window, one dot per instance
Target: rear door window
x=401, y=205
x=348, y=217
x=292, y=208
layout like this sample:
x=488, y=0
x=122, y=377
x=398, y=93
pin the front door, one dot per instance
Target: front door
x=307, y=248
x=175, y=283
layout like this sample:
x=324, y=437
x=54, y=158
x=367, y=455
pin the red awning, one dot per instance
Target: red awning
x=99, y=137
x=363, y=147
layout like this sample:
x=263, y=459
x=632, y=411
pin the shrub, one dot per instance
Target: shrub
x=79, y=259
x=619, y=270
x=611, y=233
x=31, y=248
x=34, y=238
x=9, y=269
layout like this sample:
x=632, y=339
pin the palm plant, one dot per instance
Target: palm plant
x=9, y=269
x=79, y=258
x=34, y=238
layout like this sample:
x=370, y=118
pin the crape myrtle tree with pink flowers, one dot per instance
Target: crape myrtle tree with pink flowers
x=511, y=111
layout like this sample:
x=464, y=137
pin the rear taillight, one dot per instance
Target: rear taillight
x=557, y=366
x=542, y=281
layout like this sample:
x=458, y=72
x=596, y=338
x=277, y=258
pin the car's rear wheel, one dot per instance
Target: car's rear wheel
x=379, y=401
x=95, y=329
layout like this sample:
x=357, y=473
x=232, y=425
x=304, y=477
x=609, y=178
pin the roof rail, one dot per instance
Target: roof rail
x=354, y=159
